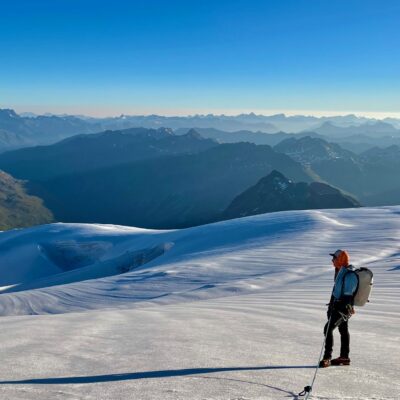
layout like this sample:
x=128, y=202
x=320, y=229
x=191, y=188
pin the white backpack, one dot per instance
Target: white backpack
x=364, y=287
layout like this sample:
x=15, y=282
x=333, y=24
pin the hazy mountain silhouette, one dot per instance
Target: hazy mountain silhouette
x=356, y=143
x=246, y=136
x=377, y=128
x=367, y=176
x=17, y=131
x=382, y=156
x=28, y=129
x=360, y=143
x=86, y=152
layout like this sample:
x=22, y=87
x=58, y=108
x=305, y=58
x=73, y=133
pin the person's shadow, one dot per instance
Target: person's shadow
x=156, y=374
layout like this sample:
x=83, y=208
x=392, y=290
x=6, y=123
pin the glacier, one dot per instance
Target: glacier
x=230, y=310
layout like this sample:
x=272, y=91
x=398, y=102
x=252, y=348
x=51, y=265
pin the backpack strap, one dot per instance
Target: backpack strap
x=344, y=280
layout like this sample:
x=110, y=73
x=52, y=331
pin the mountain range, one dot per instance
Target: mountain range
x=144, y=177
x=357, y=143
x=374, y=129
x=17, y=131
x=27, y=129
x=93, y=151
x=165, y=178
x=246, y=136
x=164, y=192
x=155, y=178
x=367, y=175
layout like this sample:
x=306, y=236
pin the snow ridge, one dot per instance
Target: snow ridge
x=82, y=267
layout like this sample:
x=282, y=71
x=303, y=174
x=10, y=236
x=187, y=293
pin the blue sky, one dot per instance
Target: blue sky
x=180, y=57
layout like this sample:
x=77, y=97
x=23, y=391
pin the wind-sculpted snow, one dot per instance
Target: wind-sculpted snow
x=263, y=281
x=81, y=267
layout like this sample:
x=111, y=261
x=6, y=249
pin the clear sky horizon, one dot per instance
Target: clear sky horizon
x=174, y=57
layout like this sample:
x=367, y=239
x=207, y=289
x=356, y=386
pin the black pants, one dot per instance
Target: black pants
x=337, y=322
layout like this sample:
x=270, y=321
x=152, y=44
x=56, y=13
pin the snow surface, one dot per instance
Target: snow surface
x=232, y=310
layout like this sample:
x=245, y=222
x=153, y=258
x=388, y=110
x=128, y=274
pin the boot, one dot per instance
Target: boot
x=325, y=362
x=341, y=361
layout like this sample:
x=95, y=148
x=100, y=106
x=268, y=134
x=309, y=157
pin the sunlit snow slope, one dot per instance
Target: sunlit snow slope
x=108, y=266
x=256, y=334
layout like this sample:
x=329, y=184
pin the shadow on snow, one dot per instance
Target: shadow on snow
x=144, y=375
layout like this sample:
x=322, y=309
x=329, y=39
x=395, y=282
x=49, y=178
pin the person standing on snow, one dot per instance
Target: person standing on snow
x=340, y=309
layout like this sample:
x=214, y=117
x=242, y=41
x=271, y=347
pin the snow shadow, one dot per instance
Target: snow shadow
x=72, y=259
x=71, y=254
x=145, y=375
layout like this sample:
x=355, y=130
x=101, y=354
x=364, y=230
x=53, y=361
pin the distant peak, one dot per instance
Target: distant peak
x=379, y=124
x=8, y=112
x=192, y=133
x=277, y=180
x=166, y=131
x=276, y=174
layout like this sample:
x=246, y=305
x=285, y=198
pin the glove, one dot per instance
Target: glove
x=348, y=311
x=344, y=306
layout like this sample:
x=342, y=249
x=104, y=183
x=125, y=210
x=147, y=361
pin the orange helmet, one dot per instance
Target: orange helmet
x=340, y=258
